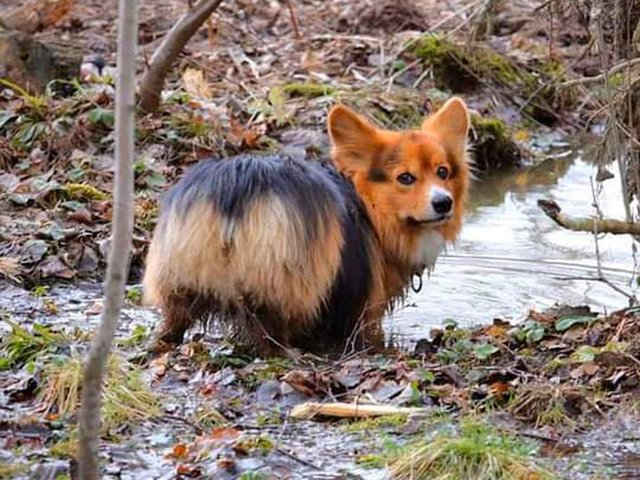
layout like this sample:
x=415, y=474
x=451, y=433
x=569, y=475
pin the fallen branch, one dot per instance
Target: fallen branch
x=307, y=411
x=153, y=79
x=627, y=64
x=581, y=224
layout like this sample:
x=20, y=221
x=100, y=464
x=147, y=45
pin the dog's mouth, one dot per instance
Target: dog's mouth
x=414, y=222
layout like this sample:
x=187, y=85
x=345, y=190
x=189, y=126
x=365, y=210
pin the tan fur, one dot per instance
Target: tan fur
x=263, y=255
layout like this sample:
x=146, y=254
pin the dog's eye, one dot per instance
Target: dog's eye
x=442, y=172
x=406, y=178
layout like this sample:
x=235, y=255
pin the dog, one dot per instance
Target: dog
x=307, y=254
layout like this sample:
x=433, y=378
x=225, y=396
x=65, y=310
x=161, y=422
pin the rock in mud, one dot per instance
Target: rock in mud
x=32, y=64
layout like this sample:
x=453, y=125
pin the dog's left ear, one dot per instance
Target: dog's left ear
x=451, y=125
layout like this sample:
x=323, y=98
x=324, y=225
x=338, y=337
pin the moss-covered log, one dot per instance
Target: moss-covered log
x=464, y=69
x=492, y=145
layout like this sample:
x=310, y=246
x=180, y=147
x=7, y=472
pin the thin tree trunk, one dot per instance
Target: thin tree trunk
x=122, y=230
x=153, y=79
x=616, y=227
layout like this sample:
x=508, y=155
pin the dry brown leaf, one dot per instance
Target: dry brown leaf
x=222, y=434
x=158, y=366
x=299, y=381
x=179, y=451
x=499, y=388
x=195, y=83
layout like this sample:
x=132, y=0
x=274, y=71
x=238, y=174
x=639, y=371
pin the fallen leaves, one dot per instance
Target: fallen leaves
x=195, y=83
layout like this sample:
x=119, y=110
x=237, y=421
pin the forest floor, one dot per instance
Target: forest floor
x=553, y=397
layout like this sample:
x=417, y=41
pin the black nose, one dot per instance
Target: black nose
x=442, y=203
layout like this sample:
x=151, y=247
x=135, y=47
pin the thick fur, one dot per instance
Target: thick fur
x=304, y=254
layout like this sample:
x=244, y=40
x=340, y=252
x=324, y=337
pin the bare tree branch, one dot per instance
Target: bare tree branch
x=616, y=227
x=152, y=81
x=118, y=264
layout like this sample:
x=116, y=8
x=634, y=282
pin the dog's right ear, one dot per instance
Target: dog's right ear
x=354, y=139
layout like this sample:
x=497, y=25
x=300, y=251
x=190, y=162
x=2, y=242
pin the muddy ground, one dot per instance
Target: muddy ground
x=561, y=387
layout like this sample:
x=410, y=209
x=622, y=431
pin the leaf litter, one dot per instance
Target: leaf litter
x=205, y=410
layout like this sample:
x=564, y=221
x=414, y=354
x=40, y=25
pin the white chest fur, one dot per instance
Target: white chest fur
x=428, y=249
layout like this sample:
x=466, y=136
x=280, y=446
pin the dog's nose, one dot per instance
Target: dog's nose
x=442, y=203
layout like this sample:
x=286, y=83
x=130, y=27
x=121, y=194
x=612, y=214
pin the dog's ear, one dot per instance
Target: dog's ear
x=451, y=125
x=354, y=140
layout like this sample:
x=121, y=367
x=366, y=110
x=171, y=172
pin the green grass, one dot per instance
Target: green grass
x=476, y=452
x=22, y=346
x=8, y=470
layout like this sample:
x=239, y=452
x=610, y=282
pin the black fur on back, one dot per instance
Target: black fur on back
x=233, y=184
x=316, y=190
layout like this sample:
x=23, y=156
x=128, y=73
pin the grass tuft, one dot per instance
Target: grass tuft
x=21, y=346
x=127, y=398
x=10, y=269
x=477, y=452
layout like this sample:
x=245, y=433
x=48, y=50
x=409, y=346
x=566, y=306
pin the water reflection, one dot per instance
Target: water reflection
x=511, y=258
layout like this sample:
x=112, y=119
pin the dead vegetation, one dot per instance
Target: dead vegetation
x=260, y=76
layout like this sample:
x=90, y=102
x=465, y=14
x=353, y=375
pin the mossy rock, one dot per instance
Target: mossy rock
x=467, y=69
x=493, y=147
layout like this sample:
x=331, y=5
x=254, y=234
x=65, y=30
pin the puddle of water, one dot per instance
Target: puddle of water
x=610, y=451
x=511, y=258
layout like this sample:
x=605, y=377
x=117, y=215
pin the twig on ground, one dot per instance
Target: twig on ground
x=297, y=459
x=294, y=20
x=601, y=77
x=310, y=410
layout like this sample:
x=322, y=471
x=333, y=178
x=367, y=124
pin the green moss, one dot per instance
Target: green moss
x=372, y=460
x=208, y=417
x=270, y=369
x=66, y=447
x=269, y=418
x=254, y=445
x=8, y=470
x=376, y=423
x=84, y=191
x=308, y=90
x=493, y=146
x=450, y=64
x=463, y=69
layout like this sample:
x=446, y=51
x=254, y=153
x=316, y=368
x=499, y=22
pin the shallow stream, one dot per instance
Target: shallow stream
x=511, y=258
